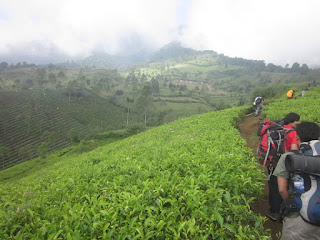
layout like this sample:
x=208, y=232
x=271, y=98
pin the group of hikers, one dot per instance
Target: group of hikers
x=258, y=101
x=284, y=148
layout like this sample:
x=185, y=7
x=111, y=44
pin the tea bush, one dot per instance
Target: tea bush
x=191, y=179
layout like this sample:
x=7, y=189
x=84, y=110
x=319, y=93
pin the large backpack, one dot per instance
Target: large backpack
x=271, y=145
x=257, y=101
x=307, y=192
x=290, y=94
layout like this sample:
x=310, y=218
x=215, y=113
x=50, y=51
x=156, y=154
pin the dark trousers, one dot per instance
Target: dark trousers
x=275, y=198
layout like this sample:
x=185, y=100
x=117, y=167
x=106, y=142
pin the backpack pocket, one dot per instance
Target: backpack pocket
x=310, y=210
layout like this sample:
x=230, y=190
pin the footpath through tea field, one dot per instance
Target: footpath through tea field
x=248, y=129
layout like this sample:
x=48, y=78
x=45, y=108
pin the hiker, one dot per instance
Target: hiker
x=258, y=103
x=290, y=122
x=290, y=94
x=303, y=93
x=315, y=83
x=294, y=226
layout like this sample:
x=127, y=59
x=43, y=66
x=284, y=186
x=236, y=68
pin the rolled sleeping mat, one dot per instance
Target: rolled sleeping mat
x=301, y=163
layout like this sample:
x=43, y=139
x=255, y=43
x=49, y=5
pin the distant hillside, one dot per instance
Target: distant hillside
x=119, y=62
x=26, y=122
x=54, y=117
x=173, y=83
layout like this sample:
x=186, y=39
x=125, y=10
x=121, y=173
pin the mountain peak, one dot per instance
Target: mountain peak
x=173, y=50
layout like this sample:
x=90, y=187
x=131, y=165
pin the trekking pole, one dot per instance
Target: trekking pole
x=249, y=114
x=271, y=171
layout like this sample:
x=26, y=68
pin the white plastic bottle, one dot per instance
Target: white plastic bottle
x=298, y=184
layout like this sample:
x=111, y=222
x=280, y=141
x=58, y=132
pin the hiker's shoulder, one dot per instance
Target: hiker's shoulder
x=280, y=170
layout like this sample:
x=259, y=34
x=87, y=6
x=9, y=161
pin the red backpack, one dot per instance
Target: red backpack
x=271, y=142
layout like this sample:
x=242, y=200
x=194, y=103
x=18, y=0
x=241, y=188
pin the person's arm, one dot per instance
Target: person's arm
x=292, y=139
x=283, y=187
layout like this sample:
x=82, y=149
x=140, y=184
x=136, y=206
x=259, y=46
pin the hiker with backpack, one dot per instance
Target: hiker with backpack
x=290, y=121
x=258, y=103
x=298, y=174
x=275, y=139
x=290, y=94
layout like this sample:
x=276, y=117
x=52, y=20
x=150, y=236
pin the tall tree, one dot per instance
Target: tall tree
x=43, y=149
x=41, y=72
x=143, y=78
x=26, y=151
x=74, y=136
x=295, y=67
x=129, y=101
x=155, y=85
x=61, y=74
x=3, y=66
x=53, y=137
x=52, y=78
x=144, y=101
x=304, y=69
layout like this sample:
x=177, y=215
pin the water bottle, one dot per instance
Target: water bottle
x=298, y=184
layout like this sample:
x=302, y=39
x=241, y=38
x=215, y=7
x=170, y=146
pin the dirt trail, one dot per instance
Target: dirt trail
x=248, y=129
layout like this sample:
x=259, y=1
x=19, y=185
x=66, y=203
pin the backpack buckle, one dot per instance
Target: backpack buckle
x=293, y=205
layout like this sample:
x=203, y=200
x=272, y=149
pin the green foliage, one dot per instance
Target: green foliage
x=53, y=137
x=32, y=117
x=42, y=149
x=191, y=179
x=26, y=151
x=74, y=135
x=306, y=107
x=268, y=92
x=78, y=95
x=4, y=150
x=135, y=128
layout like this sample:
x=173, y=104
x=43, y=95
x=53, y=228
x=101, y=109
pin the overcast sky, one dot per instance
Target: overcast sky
x=277, y=31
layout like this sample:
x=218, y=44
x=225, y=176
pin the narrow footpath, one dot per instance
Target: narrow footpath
x=248, y=129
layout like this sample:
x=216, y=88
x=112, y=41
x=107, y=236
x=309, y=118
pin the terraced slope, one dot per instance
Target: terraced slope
x=26, y=122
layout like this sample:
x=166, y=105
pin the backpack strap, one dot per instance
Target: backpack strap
x=268, y=144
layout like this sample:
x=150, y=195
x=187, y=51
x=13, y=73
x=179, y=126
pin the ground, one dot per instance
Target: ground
x=248, y=129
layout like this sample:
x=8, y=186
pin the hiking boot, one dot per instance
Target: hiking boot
x=273, y=216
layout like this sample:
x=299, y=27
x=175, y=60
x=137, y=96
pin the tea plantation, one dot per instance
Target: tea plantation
x=191, y=179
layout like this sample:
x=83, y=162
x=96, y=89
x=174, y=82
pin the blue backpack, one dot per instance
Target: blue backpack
x=304, y=172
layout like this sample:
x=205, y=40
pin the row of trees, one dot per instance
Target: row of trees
x=5, y=65
x=260, y=65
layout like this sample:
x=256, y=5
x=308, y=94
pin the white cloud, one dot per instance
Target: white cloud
x=275, y=31
x=77, y=26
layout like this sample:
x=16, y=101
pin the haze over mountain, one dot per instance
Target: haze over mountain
x=279, y=32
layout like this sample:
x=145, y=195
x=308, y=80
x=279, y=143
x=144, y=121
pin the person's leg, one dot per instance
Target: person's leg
x=275, y=199
x=257, y=110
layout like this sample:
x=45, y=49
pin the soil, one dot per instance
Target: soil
x=248, y=129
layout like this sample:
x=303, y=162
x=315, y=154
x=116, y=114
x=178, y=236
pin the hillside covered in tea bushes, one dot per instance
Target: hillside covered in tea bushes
x=193, y=178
